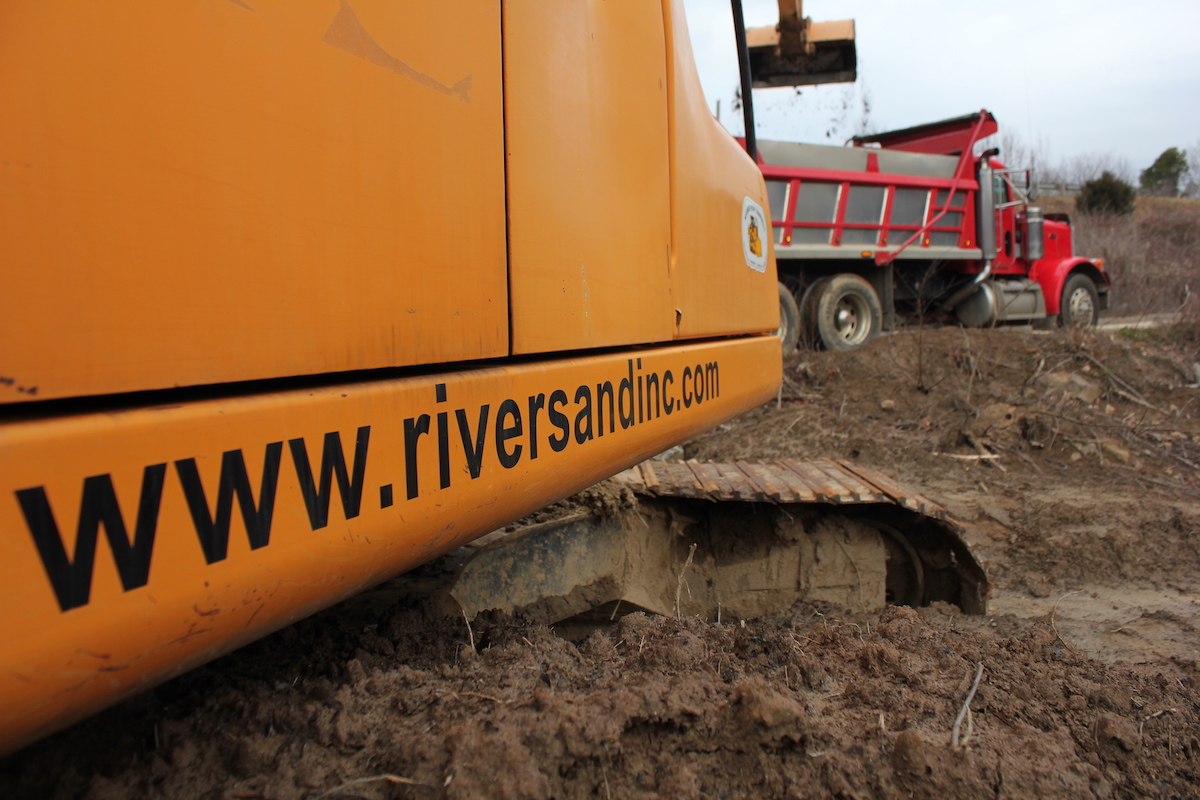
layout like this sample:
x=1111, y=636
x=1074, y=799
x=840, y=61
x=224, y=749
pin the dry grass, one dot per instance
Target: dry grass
x=1153, y=256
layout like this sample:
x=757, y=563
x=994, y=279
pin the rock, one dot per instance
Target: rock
x=909, y=759
x=1116, y=737
x=1114, y=449
x=1073, y=385
x=766, y=715
x=995, y=418
x=673, y=454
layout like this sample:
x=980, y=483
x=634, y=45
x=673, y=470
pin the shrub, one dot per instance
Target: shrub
x=1152, y=257
x=1107, y=194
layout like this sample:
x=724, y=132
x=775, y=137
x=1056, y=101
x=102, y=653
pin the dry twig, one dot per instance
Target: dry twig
x=1016, y=452
x=1155, y=715
x=470, y=633
x=461, y=695
x=1083, y=423
x=373, y=779
x=680, y=584
x=789, y=427
x=966, y=709
x=1053, y=611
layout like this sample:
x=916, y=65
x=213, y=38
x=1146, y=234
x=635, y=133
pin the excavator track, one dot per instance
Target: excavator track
x=732, y=540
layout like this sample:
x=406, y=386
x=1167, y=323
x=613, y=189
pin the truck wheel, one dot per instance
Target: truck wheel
x=845, y=311
x=808, y=312
x=1080, y=303
x=789, y=319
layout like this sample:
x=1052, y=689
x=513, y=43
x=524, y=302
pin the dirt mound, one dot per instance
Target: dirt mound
x=1050, y=443
x=797, y=707
x=1071, y=459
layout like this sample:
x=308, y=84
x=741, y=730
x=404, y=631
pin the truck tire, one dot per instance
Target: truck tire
x=1080, y=303
x=845, y=312
x=808, y=312
x=789, y=319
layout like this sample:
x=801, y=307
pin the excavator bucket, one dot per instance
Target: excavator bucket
x=731, y=540
x=800, y=52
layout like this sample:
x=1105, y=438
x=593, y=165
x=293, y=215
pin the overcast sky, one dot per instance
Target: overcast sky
x=1078, y=76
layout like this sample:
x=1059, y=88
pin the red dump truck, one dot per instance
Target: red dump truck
x=913, y=223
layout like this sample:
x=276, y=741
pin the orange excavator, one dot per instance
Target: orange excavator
x=298, y=296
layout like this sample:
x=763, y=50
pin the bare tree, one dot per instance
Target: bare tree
x=1192, y=188
x=1018, y=153
x=1090, y=166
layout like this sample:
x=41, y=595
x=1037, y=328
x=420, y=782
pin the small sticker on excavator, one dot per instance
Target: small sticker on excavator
x=754, y=229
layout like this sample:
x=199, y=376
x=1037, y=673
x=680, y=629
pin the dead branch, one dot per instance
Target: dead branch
x=1016, y=452
x=1036, y=372
x=1117, y=379
x=980, y=457
x=1131, y=398
x=1084, y=423
x=1140, y=478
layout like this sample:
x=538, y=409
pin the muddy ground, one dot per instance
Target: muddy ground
x=1071, y=458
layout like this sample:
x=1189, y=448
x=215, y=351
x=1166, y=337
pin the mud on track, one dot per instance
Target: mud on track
x=1072, y=459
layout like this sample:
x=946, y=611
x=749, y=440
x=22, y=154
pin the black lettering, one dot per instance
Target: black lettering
x=536, y=403
x=505, y=432
x=583, y=434
x=712, y=379
x=641, y=418
x=698, y=383
x=687, y=398
x=443, y=434
x=333, y=462
x=559, y=420
x=414, y=429
x=668, y=400
x=213, y=532
x=603, y=389
x=626, y=386
x=656, y=408
x=72, y=580
x=474, y=454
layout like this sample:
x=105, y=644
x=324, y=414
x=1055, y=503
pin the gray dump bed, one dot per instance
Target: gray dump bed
x=854, y=159
x=818, y=199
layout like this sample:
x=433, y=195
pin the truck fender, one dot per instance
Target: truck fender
x=1051, y=275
